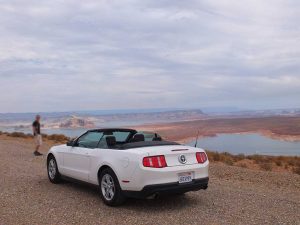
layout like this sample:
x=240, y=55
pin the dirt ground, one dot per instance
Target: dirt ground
x=234, y=196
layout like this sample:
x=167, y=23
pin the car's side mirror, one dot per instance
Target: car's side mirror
x=70, y=143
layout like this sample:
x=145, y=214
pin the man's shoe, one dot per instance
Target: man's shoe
x=37, y=153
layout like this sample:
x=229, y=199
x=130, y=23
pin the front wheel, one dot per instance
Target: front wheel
x=110, y=190
x=53, y=173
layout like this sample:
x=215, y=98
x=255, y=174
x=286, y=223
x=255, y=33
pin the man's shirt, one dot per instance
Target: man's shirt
x=37, y=127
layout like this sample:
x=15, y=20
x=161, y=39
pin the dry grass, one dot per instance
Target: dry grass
x=59, y=138
x=266, y=163
x=18, y=135
x=56, y=137
x=297, y=170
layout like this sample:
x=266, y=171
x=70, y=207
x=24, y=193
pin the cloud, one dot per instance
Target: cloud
x=69, y=55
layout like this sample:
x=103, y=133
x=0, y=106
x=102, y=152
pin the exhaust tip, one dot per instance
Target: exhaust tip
x=153, y=196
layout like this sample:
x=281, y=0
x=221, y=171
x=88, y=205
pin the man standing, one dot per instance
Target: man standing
x=36, y=128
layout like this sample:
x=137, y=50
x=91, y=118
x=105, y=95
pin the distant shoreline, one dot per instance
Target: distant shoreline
x=282, y=128
x=277, y=128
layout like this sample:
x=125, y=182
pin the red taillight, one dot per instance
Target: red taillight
x=158, y=161
x=201, y=157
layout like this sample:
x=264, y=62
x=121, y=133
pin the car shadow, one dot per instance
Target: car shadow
x=160, y=203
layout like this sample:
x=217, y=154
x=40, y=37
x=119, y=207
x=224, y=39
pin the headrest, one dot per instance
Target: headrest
x=157, y=138
x=138, y=138
x=111, y=141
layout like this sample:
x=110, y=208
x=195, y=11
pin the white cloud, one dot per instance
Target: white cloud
x=64, y=55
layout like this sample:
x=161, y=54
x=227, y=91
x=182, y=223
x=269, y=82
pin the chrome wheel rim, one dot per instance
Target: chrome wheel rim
x=108, y=187
x=52, y=168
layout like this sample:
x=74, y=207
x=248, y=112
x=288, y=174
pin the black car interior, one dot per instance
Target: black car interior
x=117, y=139
x=137, y=138
x=111, y=141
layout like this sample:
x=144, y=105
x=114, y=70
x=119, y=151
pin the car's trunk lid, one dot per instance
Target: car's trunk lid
x=177, y=155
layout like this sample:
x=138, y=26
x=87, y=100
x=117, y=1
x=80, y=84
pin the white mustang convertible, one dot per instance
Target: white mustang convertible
x=126, y=163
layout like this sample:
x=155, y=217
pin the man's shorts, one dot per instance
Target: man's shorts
x=38, y=139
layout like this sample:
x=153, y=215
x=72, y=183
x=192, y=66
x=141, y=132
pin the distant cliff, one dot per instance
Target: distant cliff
x=77, y=122
x=168, y=116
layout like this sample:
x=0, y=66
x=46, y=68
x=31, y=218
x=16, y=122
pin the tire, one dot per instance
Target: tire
x=109, y=187
x=52, y=170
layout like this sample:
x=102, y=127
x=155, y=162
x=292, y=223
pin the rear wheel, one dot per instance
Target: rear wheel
x=110, y=190
x=53, y=173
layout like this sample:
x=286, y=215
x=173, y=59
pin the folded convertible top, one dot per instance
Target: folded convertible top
x=147, y=144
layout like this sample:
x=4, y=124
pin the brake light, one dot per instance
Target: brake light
x=201, y=157
x=157, y=161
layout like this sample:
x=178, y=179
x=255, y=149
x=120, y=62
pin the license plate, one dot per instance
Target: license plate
x=185, y=178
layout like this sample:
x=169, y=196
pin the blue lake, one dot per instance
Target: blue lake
x=249, y=144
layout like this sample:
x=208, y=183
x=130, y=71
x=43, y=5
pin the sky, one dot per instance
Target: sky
x=132, y=54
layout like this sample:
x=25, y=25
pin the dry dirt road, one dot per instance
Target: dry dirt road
x=235, y=196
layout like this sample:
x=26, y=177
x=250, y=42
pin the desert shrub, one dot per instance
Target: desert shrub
x=256, y=158
x=228, y=161
x=278, y=163
x=213, y=156
x=243, y=165
x=240, y=157
x=19, y=135
x=286, y=166
x=297, y=170
x=57, y=137
x=266, y=166
x=216, y=157
x=291, y=162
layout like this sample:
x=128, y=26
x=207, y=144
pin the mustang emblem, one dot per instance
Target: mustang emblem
x=182, y=159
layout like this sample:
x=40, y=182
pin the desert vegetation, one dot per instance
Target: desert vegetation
x=58, y=138
x=260, y=162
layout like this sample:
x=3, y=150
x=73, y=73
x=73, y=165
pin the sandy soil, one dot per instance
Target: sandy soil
x=235, y=196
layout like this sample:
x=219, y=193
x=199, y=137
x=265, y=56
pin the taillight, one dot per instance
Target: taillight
x=157, y=161
x=201, y=157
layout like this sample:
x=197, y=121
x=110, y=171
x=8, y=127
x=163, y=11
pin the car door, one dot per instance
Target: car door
x=77, y=158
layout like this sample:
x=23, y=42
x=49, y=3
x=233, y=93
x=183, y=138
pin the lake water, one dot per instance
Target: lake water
x=249, y=144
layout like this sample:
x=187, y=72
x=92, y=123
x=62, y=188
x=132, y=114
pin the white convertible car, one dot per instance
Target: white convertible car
x=126, y=163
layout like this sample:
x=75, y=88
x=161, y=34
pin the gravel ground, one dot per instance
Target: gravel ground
x=235, y=196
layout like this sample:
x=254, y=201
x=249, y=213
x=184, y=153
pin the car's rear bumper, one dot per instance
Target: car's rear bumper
x=169, y=188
